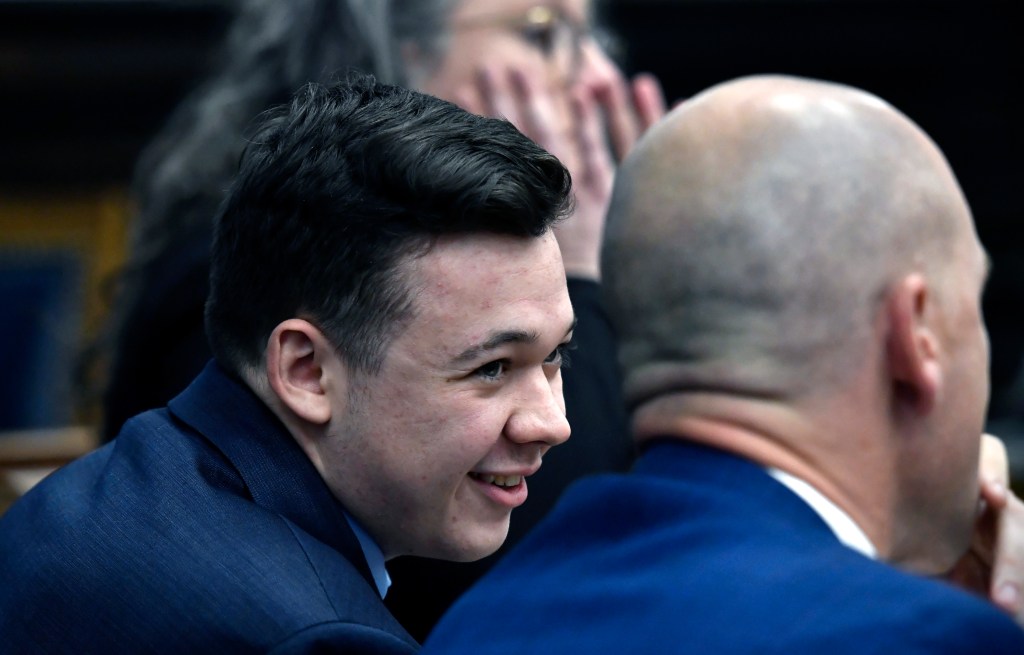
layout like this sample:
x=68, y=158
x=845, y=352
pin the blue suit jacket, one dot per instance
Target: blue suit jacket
x=201, y=528
x=698, y=551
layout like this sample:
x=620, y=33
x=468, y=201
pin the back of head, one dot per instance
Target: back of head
x=341, y=186
x=754, y=230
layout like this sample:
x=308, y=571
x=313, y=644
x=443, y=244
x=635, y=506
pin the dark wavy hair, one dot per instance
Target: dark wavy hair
x=153, y=344
x=341, y=186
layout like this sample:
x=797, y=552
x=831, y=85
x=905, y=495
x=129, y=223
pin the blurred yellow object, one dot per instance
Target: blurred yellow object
x=87, y=230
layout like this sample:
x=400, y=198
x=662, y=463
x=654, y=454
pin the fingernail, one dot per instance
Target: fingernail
x=1007, y=595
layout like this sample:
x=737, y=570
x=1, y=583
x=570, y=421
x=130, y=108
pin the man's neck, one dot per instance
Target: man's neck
x=776, y=436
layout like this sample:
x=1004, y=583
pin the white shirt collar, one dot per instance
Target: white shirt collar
x=374, y=556
x=848, y=532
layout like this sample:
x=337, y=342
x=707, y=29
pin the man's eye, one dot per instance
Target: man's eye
x=491, y=370
x=560, y=355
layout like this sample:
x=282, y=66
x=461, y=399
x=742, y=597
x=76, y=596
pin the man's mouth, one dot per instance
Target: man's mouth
x=508, y=491
x=498, y=480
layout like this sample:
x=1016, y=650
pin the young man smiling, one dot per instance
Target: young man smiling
x=388, y=311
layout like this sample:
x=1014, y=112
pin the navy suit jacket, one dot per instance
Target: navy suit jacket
x=698, y=551
x=202, y=528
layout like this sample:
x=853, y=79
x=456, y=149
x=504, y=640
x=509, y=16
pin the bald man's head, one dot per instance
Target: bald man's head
x=754, y=230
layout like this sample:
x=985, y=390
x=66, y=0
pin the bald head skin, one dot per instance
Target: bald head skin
x=753, y=231
x=767, y=245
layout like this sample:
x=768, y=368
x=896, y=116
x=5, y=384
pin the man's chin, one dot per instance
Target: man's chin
x=477, y=544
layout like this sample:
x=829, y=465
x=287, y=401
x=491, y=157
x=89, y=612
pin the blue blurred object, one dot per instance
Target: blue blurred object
x=40, y=320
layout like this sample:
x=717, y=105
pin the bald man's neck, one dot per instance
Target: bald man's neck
x=773, y=434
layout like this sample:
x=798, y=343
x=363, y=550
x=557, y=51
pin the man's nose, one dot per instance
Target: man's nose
x=540, y=412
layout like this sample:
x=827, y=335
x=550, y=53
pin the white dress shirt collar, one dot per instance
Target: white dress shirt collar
x=374, y=556
x=848, y=532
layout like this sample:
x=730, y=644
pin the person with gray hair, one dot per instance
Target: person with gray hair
x=795, y=277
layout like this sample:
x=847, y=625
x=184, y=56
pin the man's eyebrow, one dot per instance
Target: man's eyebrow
x=499, y=339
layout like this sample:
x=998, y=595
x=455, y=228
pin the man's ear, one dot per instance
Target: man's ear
x=912, y=348
x=301, y=368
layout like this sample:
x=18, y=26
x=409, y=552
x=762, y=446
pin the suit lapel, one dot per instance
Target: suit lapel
x=276, y=472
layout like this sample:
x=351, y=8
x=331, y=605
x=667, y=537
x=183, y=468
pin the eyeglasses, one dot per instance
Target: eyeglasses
x=557, y=36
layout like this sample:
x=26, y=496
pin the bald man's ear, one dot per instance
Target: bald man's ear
x=911, y=347
x=300, y=369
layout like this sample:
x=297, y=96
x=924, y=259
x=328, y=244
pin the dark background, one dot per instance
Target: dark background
x=84, y=85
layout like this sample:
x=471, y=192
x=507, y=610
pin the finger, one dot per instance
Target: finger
x=648, y=100
x=994, y=464
x=597, y=163
x=537, y=111
x=994, y=494
x=1008, y=569
x=616, y=102
x=496, y=94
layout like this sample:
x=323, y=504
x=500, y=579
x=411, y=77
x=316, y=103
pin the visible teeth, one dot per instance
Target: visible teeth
x=501, y=480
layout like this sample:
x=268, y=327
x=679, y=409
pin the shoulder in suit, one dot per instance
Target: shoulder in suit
x=698, y=551
x=172, y=539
